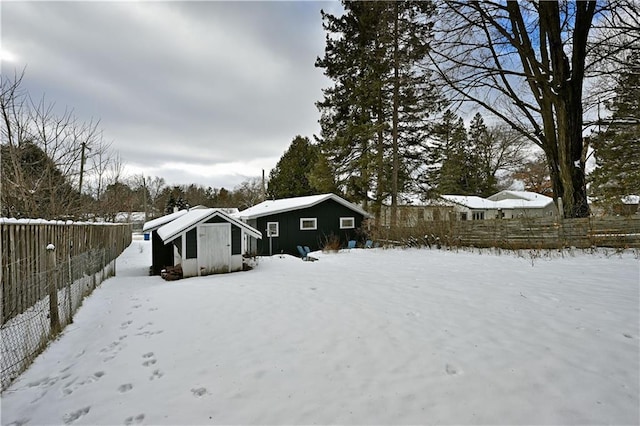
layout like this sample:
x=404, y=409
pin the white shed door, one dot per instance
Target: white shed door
x=214, y=248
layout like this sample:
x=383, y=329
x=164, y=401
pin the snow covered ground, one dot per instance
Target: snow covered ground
x=359, y=337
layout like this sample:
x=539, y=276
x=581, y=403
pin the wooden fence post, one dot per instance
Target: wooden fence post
x=53, y=290
x=70, y=286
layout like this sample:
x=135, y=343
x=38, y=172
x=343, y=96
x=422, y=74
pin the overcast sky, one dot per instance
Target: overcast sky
x=204, y=92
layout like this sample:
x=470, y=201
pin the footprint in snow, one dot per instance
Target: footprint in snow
x=156, y=374
x=134, y=419
x=125, y=388
x=199, y=391
x=75, y=415
x=452, y=371
x=19, y=422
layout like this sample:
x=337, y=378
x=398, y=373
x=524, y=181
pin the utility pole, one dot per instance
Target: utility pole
x=82, y=159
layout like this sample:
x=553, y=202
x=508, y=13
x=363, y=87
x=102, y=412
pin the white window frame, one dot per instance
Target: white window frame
x=277, y=233
x=352, y=222
x=313, y=219
x=477, y=215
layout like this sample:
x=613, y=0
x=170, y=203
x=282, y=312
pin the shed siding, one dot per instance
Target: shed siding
x=328, y=214
x=192, y=244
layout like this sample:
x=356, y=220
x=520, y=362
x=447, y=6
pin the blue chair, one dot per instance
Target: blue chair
x=368, y=244
x=351, y=244
x=303, y=253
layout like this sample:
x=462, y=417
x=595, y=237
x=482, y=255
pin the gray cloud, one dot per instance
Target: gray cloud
x=202, y=92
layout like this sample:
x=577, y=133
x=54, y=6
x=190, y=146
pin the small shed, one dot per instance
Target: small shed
x=208, y=241
x=161, y=255
x=307, y=221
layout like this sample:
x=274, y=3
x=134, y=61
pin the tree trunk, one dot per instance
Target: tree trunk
x=396, y=95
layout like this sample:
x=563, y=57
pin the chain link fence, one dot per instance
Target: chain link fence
x=42, y=289
x=26, y=334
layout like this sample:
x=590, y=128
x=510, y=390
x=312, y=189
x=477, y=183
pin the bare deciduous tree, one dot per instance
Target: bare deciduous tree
x=44, y=155
x=526, y=63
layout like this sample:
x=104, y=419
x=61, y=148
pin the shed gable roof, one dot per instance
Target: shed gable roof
x=270, y=207
x=156, y=223
x=193, y=218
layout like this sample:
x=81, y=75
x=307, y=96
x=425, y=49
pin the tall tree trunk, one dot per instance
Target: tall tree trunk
x=396, y=102
x=566, y=98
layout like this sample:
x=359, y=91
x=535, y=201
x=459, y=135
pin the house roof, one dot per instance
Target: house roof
x=156, y=223
x=270, y=207
x=503, y=200
x=192, y=218
x=471, y=201
x=519, y=195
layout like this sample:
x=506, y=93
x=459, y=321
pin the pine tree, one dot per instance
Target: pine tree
x=290, y=177
x=374, y=118
x=617, y=148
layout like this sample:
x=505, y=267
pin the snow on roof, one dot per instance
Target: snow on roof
x=417, y=200
x=154, y=224
x=521, y=195
x=270, y=207
x=471, y=201
x=126, y=217
x=503, y=200
x=14, y=221
x=190, y=219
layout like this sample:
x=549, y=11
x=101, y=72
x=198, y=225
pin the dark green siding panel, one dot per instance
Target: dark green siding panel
x=192, y=244
x=161, y=254
x=236, y=240
x=178, y=244
x=216, y=219
x=328, y=216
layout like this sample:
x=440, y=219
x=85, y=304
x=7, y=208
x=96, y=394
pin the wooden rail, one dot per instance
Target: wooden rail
x=547, y=233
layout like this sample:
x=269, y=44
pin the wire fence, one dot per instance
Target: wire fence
x=42, y=289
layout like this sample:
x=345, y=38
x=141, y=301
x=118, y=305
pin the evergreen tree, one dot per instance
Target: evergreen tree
x=445, y=170
x=322, y=176
x=290, y=177
x=50, y=195
x=374, y=118
x=617, y=148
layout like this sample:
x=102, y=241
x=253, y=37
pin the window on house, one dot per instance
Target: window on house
x=478, y=215
x=347, y=223
x=273, y=229
x=463, y=216
x=308, y=223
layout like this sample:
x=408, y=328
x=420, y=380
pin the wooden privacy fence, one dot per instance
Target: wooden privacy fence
x=42, y=289
x=531, y=233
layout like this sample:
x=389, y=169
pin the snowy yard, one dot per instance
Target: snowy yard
x=360, y=337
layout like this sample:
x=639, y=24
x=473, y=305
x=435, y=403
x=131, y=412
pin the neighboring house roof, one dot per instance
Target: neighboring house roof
x=471, y=201
x=503, y=200
x=270, y=207
x=518, y=195
x=192, y=218
x=416, y=200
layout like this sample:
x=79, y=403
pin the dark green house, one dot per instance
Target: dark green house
x=306, y=221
